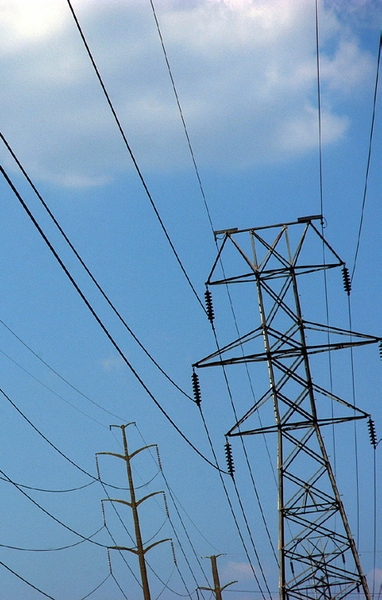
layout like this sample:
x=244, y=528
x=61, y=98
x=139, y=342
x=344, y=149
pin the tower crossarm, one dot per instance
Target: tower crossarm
x=317, y=553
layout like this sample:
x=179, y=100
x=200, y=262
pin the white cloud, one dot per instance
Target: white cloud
x=112, y=363
x=348, y=69
x=245, y=72
x=301, y=133
x=23, y=22
x=238, y=570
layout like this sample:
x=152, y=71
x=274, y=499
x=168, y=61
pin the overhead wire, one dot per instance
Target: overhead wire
x=90, y=274
x=319, y=112
x=196, y=169
x=368, y=162
x=38, y=550
x=244, y=448
x=230, y=504
x=74, y=464
x=166, y=587
x=129, y=149
x=50, y=389
x=96, y=588
x=99, y=320
x=321, y=202
x=49, y=491
x=83, y=538
x=119, y=587
x=73, y=387
x=50, y=515
x=175, y=502
x=165, y=583
x=26, y=581
x=47, y=595
x=113, y=503
x=104, y=89
x=374, y=520
x=358, y=242
x=355, y=436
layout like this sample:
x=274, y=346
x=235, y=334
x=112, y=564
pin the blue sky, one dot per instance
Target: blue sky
x=246, y=77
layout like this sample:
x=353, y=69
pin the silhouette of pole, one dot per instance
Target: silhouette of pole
x=217, y=589
x=140, y=550
x=137, y=528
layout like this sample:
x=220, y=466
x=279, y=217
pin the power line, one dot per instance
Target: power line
x=368, y=158
x=49, y=549
x=231, y=507
x=25, y=581
x=319, y=109
x=244, y=448
x=99, y=320
x=175, y=502
x=36, y=489
x=45, y=511
x=50, y=390
x=90, y=274
x=51, y=443
x=182, y=116
x=118, y=586
x=113, y=504
x=97, y=587
x=128, y=147
x=59, y=375
x=212, y=228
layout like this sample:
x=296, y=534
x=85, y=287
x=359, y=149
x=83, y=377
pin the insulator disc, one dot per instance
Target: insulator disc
x=196, y=388
x=347, y=280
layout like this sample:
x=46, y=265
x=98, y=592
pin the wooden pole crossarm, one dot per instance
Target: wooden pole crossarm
x=117, y=500
x=156, y=544
x=133, y=550
x=148, y=496
x=137, y=503
x=144, y=550
x=207, y=589
x=140, y=450
x=111, y=454
x=123, y=456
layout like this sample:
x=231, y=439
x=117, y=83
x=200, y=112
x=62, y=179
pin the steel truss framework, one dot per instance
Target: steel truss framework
x=318, y=556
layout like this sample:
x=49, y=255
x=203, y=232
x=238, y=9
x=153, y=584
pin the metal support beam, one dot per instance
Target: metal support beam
x=318, y=556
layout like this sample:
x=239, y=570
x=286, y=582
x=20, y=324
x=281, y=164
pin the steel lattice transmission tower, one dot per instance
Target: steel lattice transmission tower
x=317, y=554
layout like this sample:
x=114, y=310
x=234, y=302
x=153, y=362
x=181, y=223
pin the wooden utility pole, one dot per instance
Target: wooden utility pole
x=217, y=589
x=140, y=550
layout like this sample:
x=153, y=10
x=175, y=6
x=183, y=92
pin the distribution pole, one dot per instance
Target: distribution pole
x=140, y=550
x=217, y=589
x=318, y=555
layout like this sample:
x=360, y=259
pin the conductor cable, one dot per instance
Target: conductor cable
x=128, y=147
x=100, y=322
